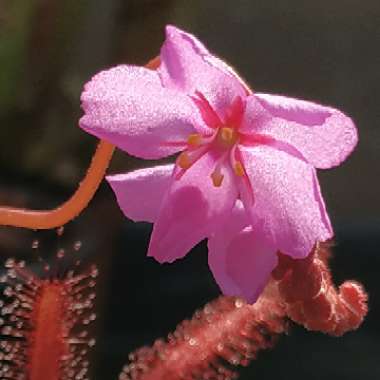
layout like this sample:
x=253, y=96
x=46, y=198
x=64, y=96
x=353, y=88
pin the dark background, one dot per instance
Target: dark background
x=327, y=51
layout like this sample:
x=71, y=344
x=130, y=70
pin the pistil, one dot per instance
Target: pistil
x=226, y=137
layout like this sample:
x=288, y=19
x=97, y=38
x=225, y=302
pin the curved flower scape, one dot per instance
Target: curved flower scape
x=245, y=178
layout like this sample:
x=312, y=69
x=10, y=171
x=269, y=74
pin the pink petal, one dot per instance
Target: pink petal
x=191, y=210
x=322, y=135
x=241, y=260
x=205, y=53
x=186, y=66
x=128, y=106
x=287, y=202
x=217, y=246
x=140, y=193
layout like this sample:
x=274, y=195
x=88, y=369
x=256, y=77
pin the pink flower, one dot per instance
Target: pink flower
x=245, y=178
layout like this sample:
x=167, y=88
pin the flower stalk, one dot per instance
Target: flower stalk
x=226, y=332
x=46, y=219
x=318, y=304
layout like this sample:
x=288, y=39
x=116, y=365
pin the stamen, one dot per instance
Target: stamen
x=239, y=169
x=236, y=163
x=217, y=178
x=184, y=161
x=188, y=157
x=194, y=139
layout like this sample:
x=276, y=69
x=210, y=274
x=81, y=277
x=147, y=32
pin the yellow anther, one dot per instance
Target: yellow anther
x=194, y=139
x=239, y=169
x=217, y=178
x=184, y=160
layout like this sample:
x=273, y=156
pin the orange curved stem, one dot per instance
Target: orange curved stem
x=45, y=219
x=35, y=219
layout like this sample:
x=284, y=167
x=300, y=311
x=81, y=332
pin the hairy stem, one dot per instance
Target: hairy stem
x=230, y=332
x=226, y=332
x=312, y=299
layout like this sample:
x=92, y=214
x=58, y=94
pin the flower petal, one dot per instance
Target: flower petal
x=287, y=203
x=128, y=106
x=323, y=135
x=241, y=260
x=191, y=210
x=187, y=67
x=217, y=246
x=140, y=193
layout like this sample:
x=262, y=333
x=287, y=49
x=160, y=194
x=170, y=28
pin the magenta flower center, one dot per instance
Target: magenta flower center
x=222, y=143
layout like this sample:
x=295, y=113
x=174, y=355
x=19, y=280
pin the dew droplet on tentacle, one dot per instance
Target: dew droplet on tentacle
x=43, y=324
